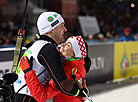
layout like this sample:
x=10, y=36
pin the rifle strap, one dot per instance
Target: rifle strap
x=18, y=49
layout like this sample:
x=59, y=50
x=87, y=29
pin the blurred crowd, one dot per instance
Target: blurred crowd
x=9, y=27
x=8, y=31
x=113, y=17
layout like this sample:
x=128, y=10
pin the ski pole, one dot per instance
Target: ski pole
x=74, y=70
x=80, y=86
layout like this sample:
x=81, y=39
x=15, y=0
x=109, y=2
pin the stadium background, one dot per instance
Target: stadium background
x=112, y=61
x=112, y=17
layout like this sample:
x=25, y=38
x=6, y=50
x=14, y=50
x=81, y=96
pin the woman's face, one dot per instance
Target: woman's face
x=67, y=49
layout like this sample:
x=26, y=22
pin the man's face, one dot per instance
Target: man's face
x=58, y=33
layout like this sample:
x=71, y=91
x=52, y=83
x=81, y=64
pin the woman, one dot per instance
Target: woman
x=75, y=61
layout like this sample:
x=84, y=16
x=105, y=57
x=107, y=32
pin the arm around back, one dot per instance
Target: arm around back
x=50, y=58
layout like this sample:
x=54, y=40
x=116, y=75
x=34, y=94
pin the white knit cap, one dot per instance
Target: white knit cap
x=47, y=21
x=78, y=46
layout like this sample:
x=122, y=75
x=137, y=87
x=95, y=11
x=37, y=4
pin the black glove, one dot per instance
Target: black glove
x=80, y=86
x=81, y=92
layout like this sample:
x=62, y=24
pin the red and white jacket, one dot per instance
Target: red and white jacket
x=50, y=90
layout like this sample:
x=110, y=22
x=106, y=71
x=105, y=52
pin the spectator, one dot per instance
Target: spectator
x=111, y=14
x=127, y=35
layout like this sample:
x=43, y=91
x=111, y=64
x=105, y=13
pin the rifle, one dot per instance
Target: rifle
x=18, y=48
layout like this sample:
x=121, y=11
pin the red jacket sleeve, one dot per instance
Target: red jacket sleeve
x=39, y=92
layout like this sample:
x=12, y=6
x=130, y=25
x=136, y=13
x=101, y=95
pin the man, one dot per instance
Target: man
x=45, y=55
x=127, y=35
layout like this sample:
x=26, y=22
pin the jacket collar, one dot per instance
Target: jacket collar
x=44, y=37
x=66, y=59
